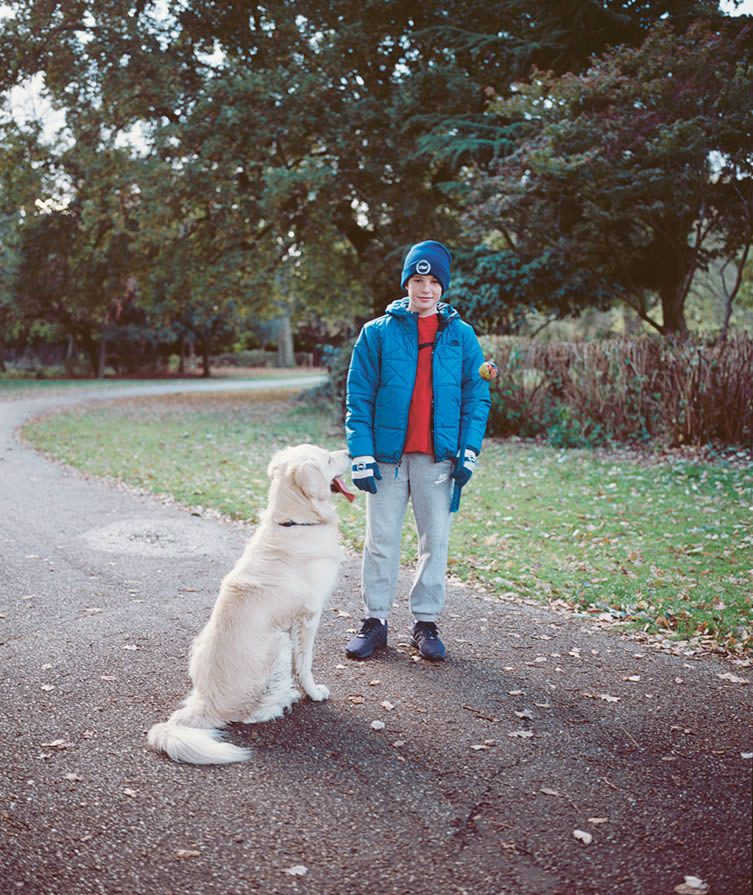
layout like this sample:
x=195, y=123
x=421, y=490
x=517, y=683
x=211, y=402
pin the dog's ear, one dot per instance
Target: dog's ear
x=310, y=479
x=276, y=464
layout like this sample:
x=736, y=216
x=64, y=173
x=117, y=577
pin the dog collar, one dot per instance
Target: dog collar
x=290, y=523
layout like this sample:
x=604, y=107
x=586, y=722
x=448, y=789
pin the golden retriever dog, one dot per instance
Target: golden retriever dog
x=254, y=653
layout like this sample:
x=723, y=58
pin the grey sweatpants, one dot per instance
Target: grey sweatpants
x=429, y=487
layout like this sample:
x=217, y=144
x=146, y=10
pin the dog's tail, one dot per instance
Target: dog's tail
x=188, y=737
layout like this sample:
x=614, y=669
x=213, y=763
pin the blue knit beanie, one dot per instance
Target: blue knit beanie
x=425, y=258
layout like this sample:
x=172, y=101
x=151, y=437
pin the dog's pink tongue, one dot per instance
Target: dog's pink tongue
x=338, y=485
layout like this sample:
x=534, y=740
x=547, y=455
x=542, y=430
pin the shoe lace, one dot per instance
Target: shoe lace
x=428, y=629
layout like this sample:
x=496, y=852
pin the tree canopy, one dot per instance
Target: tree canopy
x=242, y=160
x=624, y=182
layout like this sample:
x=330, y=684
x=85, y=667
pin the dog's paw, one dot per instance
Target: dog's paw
x=318, y=693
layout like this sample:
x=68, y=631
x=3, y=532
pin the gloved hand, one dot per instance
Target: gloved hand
x=365, y=472
x=465, y=466
x=462, y=473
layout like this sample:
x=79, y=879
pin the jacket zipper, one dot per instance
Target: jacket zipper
x=440, y=332
x=413, y=319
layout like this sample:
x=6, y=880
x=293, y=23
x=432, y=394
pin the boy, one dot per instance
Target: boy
x=416, y=417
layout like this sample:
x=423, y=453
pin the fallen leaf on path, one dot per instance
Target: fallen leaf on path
x=526, y=713
x=130, y=646
x=297, y=870
x=185, y=854
x=523, y=734
x=732, y=678
x=387, y=705
x=549, y=792
x=377, y=725
x=131, y=793
x=356, y=699
x=746, y=755
x=47, y=687
x=582, y=836
x=73, y=777
x=598, y=820
x=375, y=683
x=57, y=744
x=480, y=747
x=693, y=885
x=632, y=677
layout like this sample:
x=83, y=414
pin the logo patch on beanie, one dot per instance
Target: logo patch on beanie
x=423, y=267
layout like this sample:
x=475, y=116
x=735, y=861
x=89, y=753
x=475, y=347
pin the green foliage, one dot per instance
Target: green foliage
x=626, y=180
x=278, y=159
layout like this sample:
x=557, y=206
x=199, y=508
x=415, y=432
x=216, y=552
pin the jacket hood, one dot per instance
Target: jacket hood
x=399, y=308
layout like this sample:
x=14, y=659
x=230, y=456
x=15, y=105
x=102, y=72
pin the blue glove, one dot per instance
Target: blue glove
x=465, y=468
x=462, y=474
x=365, y=472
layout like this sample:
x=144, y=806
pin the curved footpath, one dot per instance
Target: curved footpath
x=539, y=725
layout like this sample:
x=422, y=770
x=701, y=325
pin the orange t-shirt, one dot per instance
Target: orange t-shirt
x=418, y=439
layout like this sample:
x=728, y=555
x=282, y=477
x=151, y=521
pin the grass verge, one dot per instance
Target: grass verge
x=666, y=547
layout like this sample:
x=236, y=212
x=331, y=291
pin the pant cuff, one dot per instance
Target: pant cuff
x=425, y=616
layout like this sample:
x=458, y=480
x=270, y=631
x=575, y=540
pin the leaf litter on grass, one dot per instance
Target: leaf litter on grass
x=664, y=548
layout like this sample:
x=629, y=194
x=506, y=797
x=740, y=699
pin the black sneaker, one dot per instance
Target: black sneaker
x=426, y=638
x=372, y=636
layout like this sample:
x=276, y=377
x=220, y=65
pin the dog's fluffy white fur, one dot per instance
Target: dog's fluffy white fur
x=256, y=649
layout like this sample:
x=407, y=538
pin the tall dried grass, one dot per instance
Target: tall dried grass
x=674, y=392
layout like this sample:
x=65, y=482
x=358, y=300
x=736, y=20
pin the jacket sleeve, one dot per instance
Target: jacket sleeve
x=476, y=400
x=361, y=390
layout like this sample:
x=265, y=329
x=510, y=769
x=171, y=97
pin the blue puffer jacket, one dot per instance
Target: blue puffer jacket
x=381, y=379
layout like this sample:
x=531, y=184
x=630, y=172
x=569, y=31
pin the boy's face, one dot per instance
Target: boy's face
x=424, y=292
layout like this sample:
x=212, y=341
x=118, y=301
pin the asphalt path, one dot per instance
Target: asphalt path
x=540, y=727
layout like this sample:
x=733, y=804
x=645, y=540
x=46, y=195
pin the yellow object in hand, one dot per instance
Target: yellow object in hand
x=488, y=370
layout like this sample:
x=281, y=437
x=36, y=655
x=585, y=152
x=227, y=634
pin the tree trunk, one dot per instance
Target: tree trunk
x=182, y=357
x=205, y=371
x=102, y=357
x=731, y=294
x=91, y=349
x=673, y=309
x=285, y=350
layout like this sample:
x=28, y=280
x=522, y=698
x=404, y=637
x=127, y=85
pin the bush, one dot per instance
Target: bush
x=253, y=357
x=582, y=394
x=336, y=360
